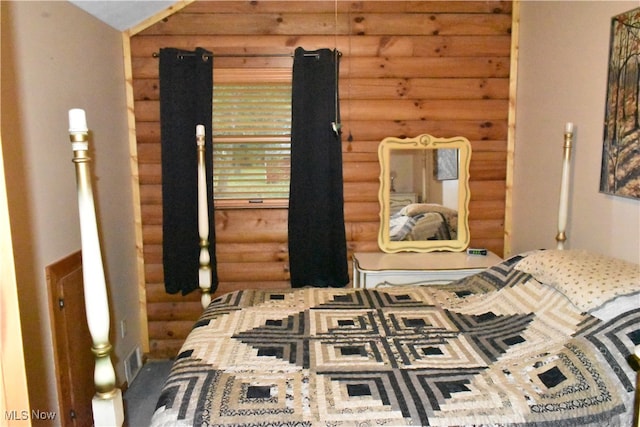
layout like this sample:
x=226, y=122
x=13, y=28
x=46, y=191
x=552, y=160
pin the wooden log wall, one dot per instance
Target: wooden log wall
x=408, y=67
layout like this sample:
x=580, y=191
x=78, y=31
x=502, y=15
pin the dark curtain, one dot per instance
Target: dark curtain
x=317, y=241
x=186, y=91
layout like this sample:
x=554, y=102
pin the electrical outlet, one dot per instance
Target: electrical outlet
x=123, y=328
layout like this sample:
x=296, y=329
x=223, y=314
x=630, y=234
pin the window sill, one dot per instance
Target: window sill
x=251, y=204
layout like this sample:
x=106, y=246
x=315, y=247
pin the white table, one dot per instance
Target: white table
x=372, y=269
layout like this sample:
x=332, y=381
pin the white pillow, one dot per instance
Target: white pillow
x=617, y=306
x=589, y=280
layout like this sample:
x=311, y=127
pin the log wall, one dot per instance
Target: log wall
x=408, y=67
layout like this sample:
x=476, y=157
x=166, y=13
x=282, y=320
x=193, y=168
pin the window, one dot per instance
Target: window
x=251, y=140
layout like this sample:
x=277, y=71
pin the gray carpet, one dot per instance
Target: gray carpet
x=141, y=396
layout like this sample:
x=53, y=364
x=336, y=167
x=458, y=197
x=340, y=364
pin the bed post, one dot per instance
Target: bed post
x=564, y=187
x=107, y=402
x=636, y=403
x=204, y=273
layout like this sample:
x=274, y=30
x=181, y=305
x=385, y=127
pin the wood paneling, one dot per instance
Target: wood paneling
x=408, y=67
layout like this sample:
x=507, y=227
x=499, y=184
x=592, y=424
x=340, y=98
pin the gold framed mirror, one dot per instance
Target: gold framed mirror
x=424, y=194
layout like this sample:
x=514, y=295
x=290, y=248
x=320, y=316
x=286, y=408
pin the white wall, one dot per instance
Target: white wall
x=562, y=76
x=56, y=57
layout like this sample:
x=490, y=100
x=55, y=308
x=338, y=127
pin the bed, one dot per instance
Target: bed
x=424, y=221
x=517, y=344
x=544, y=338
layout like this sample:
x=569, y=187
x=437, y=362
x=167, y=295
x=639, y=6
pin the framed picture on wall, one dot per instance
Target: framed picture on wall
x=620, y=171
x=446, y=164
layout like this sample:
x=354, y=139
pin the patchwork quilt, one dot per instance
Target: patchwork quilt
x=496, y=348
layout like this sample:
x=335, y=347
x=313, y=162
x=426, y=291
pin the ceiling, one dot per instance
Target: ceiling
x=123, y=14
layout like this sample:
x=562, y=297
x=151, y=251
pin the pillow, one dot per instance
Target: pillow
x=414, y=209
x=589, y=280
x=617, y=306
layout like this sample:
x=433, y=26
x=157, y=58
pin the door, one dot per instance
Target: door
x=72, y=341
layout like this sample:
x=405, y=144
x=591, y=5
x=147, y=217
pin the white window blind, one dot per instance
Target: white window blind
x=251, y=141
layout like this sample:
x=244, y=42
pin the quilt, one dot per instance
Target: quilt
x=427, y=226
x=423, y=221
x=496, y=348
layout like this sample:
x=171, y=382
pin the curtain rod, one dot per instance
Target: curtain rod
x=246, y=55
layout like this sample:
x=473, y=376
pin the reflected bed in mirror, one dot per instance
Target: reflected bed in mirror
x=424, y=194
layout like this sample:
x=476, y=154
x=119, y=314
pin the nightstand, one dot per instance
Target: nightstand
x=372, y=269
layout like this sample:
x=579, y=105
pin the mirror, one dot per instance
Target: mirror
x=424, y=194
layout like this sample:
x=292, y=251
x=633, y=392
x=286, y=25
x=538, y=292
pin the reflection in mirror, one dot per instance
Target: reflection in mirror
x=424, y=194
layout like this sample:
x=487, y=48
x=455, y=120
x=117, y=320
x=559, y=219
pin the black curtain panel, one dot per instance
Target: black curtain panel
x=186, y=91
x=317, y=241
